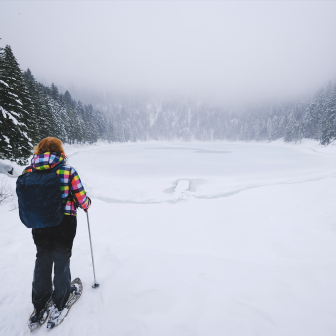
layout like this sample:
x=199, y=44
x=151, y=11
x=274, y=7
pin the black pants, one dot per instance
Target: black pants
x=54, y=245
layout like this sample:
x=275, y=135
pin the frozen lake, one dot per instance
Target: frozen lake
x=149, y=172
x=192, y=239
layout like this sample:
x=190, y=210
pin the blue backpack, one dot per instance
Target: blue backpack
x=40, y=198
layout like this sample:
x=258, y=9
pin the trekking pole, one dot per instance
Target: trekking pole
x=94, y=272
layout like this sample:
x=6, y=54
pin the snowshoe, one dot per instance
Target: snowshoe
x=56, y=316
x=38, y=318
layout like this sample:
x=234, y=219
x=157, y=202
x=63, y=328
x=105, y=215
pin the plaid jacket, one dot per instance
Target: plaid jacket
x=70, y=180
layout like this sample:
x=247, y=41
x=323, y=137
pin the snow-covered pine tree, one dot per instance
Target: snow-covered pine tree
x=333, y=104
x=270, y=130
x=328, y=130
x=47, y=126
x=16, y=119
x=101, y=121
x=310, y=121
x=65, y=118
x=81, y=116
x=111, y=131
x=291, y=128
x=5, y=121
x=73, y=123
x=42, y=111
x=34, y=95
x=58, y=127
x=91, y=124
x=320, y=114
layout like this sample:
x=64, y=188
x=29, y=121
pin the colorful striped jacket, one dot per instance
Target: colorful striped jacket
x=70, y=180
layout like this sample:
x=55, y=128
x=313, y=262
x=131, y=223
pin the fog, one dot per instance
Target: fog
x=230, y=51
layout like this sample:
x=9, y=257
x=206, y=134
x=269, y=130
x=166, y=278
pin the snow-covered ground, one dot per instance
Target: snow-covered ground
x=193, y=238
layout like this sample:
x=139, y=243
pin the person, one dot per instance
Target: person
x=54, y=244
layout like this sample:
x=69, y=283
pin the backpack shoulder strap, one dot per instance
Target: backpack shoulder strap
x=58, y=166
x=70, y=196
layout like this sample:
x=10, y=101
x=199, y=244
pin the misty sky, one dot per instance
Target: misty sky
x=228, y=50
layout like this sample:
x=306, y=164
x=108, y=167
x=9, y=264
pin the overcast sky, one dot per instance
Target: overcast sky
x=223, y=49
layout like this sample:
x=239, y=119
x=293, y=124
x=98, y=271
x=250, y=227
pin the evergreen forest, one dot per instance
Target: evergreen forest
x=31, y=111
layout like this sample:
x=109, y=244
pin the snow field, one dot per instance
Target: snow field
x=253, y=254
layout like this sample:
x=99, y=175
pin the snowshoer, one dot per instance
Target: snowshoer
x=53, y=243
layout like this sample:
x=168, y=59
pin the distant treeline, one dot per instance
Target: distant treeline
x=149, y=119
x=31, y=111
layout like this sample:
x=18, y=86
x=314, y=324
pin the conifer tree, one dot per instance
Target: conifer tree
x=328, y=129
x=320, y=114
x=17, y=124
x=291, y=128
x=91, y=126
x=5, y=121
x=54, y=102
x=270, y=130
x=46, y=126
x=42, y=112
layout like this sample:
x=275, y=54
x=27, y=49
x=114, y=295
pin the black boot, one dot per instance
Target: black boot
x=58, y=314
x=39, y=317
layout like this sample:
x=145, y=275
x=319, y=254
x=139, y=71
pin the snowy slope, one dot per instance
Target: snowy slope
x=193, y=239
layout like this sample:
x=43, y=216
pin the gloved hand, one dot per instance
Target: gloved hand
x=89, y=204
